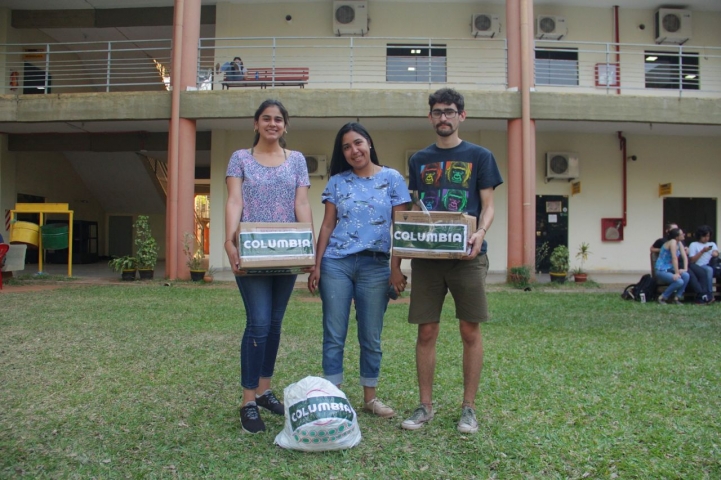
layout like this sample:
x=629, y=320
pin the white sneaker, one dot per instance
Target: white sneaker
x=376, y=407
x=420, y=417
x=468, y=423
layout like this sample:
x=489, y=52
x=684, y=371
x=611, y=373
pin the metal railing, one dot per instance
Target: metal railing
x=85, y=66
x=637, y=69
x=363, y=62
x=366, y=62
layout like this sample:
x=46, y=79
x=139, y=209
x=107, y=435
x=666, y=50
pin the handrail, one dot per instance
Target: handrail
x=363, y=63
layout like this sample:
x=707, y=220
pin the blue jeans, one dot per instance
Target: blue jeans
x=705, y=277
x=676, y=287
x=265, y=299
x=365, y=280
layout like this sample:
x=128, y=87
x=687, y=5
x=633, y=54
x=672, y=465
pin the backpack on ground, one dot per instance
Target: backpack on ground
x=644, y=290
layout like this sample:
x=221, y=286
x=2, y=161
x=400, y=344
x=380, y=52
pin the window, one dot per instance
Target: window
x=416, y=63
x=556, y=66
x=672, y=70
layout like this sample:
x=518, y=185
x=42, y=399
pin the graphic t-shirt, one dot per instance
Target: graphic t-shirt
x=268, y=192
x=364, y=209
x=450, y=179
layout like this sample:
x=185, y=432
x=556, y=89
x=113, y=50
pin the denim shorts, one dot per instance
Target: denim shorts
x=433, y=279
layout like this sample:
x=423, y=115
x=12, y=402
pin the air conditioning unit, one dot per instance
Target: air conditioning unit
x=485, y=26
x=350, y=17
x=673, y=26
x=317, y=165
x=409, y=154
x=562, y=165
x=551, y=27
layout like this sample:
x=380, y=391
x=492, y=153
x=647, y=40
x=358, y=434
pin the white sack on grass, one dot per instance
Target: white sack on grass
x=318, y=417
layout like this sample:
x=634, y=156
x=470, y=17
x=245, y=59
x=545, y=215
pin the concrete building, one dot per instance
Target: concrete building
x=605, y=116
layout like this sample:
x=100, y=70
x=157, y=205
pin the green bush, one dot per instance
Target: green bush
x=559, y=259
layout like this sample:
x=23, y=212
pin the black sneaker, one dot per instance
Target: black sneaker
x=250, y=419
x=270, y=402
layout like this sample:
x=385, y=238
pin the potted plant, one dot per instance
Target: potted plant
x=210, y=274
x=559, y=264
x=579, y=274
x=146, y=248
x=520, y=276
x=194, y=258
x=126, y=265
x=541, y=254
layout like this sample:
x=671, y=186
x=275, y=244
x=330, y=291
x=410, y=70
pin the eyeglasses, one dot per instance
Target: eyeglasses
x=448, y=112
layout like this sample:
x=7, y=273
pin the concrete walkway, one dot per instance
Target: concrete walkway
x=100, y=271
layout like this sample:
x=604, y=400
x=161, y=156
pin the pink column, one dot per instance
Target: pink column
x=187, y=130
x=181, y=148
x=171, y=209
x=529, y=134
x=514, y=139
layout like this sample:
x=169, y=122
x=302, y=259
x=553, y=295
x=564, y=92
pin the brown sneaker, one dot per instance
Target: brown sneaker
x=376, y=407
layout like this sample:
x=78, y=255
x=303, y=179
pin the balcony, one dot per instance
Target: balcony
x=367, y=63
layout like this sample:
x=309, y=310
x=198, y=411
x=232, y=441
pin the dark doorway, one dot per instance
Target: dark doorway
x=551, y=228
x=120, y=235
x=689, y=214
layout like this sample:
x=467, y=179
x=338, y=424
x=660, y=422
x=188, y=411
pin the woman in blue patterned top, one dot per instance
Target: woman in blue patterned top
x=353, y=256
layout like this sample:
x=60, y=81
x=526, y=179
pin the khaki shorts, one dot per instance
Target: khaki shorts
x=432, y=279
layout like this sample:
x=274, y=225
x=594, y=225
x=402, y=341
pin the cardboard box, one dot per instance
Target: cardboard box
x=436, y=235
x=276, y=248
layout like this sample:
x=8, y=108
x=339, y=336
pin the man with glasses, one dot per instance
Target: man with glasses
x=458, y=176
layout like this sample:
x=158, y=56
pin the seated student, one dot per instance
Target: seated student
x=656, y=247
x=695, y=283
x=234, y=71
x=700, y=254
x=667, y=267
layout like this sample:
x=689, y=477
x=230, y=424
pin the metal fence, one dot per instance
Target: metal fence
x=43, y=68
x=637, y=69
x=365, y=62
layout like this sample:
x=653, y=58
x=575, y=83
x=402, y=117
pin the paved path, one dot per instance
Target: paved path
x=100, y=273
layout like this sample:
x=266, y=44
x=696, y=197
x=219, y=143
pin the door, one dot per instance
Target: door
x=120, y=236
x=689, y=214
x=551, y=228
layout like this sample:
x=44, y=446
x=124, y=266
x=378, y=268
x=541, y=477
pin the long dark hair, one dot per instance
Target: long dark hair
x=271, y=103
x=338, y=163
x=673, y=233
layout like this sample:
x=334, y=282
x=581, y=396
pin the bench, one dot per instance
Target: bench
x=273, y=77
x=688, y=294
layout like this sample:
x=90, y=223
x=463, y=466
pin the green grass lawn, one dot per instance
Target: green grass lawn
x=135, y=381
